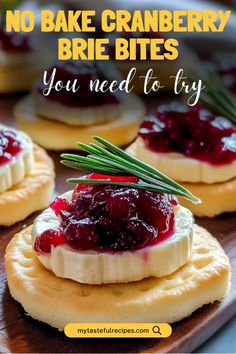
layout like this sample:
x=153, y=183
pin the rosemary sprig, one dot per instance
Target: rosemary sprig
x=107, y=159
x=217, y=97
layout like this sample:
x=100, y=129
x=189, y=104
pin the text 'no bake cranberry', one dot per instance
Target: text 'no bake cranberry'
x=10, y=146
x=70, y=71
x=110, y=218
x=194, y=132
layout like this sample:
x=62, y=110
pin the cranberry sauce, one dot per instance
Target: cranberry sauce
x=83, y=72
x=14, y=42
x=194, y=132
x=10, y=146
x=48, y=239
x=227, y=70
x=110, y=218
x=133, y=35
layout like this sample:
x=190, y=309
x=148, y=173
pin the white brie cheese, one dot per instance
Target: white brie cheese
x=82, y=116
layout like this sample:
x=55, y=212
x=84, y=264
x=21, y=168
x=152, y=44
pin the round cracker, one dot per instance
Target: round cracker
x=217, y=198
x=33, y=193
x=57, y=301
x=60, y=136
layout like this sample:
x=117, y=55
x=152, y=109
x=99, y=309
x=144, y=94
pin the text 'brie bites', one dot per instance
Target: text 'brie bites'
x=71, y=116
x=105, y=264
x=20, y=60
x=193, y=146
x=26, y=177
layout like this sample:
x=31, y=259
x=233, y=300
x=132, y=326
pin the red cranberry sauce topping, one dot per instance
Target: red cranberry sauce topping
x=227, y=70
x=194, y=132
x=84, y=72
x=14, y=42
x=110, y=218
x=48, y=239
x=10, y=146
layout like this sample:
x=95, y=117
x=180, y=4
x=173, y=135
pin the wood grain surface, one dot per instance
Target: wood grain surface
x=20, y=334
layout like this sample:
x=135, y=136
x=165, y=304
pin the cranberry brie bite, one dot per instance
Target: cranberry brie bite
x=70, y=114
x=111, y=234
x=196, y=147
x=143, y=62
x=20, y=61
x=116, y=243
x=22, y=176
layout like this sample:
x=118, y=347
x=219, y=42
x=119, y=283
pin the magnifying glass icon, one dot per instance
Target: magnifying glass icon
x=156, y=330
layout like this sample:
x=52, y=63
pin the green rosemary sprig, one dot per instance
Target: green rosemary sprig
x=107, y=159
x=217, y=97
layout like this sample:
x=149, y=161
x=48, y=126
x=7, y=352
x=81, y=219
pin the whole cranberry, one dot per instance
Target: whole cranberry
x=122, y=203
x=81, y=234
x=144, y=233
x=156, y=210
x=59, y=205
x=48, y=239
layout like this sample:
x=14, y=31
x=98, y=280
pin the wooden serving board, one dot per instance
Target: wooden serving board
x=20, y=334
